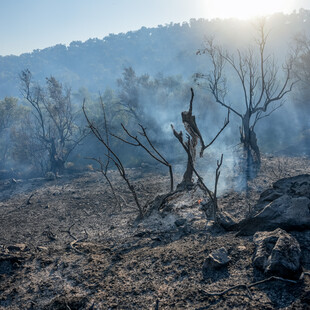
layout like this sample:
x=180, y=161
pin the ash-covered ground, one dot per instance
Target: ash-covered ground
x=64, y=244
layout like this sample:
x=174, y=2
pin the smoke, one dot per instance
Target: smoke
x=159, y=98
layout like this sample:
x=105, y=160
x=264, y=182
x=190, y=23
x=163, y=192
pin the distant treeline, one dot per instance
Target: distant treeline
x=169, y=49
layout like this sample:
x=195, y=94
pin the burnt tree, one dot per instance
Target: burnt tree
x=190, y=125
x=187, y=181
x=111, y=155
x=54, y=119
x=262, y=88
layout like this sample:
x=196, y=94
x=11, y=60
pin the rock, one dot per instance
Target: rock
x=226, y=220
x=286, y=206
x=277, y=253
x=270, y=195
x=42, y=248
x=217, y=259
x=295, y=186
x=213, y=227
x=19, y=247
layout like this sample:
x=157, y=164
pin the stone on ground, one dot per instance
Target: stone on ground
x=217, y=259
x=277, y=253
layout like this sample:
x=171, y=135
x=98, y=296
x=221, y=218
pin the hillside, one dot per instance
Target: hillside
x=170, y=49
x=64, y=245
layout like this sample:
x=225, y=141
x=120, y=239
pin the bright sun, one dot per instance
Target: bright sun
x=246, y=9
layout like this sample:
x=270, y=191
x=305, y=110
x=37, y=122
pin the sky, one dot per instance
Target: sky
x=26, y=25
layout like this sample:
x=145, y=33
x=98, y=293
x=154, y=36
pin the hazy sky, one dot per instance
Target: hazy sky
x=35, y=24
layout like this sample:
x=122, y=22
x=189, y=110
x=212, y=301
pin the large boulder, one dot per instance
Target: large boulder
x=286, y=206
x=277, y=253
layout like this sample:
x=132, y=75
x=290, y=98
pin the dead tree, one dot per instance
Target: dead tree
x=189, y=121
x=263, y=91
x=153, y=152
x=111, y=155
x=191, y=127
x=212, y=204
x=187, y=180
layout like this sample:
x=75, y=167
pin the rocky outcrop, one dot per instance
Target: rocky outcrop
x=286, y=206
x=277, y=253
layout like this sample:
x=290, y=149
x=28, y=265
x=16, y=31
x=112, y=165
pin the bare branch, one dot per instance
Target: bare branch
x=116, y=160
x=226, y=122
x=157, y=156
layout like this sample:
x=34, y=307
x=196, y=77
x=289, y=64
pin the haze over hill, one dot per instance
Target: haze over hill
x=170, y=49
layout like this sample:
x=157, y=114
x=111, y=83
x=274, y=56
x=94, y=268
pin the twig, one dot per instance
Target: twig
x=69, y=231
x=226, y=122
x=78, y=240
x=106, y=132
x=163, y=198
x=28, y=200
x=248, y=286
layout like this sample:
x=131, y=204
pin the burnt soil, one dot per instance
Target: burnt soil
x=65, y=245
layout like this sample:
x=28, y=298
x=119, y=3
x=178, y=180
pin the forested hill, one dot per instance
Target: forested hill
x=170, y=49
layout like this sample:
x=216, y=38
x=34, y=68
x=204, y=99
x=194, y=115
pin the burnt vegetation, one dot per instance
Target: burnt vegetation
x=162, y=192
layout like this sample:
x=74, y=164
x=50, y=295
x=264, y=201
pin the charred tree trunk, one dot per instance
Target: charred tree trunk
x=193, y=135
x=250, y=146
x=56, y=162
x=187, y=181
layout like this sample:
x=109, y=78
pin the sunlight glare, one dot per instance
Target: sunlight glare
x=245, y=9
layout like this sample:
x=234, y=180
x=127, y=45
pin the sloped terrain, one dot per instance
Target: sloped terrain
x=64, y=245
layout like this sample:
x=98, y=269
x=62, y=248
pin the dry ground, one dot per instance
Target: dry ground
x=64, y=245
